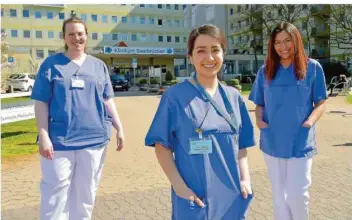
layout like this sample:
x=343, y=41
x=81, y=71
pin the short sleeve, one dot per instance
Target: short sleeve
x=319, y=86
x=257, y=93
x=246, y=134
x=162, y=128
x=108, y=90
x=42, y=88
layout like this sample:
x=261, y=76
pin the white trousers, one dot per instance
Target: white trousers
x=69, y=183
x=290, y=180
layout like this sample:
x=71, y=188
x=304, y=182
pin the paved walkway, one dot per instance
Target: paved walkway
x=133, y=185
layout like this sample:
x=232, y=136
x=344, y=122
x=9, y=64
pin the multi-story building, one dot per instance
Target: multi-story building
x=152, y=34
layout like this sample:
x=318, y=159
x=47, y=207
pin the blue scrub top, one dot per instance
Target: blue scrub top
x=287, y=103
x=77, y=116
x=214, y=177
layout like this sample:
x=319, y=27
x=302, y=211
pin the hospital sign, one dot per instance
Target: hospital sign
x=139, y=50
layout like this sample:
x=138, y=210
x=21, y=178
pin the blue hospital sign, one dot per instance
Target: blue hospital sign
x=139, y=50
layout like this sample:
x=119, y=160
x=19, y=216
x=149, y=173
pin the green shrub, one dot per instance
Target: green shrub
x=234, y=82
x=223, y=82
x=168, y=76
x=154, y=81
x=173, y=82
x=143, y=81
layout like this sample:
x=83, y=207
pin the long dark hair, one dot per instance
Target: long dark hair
x=273, y=60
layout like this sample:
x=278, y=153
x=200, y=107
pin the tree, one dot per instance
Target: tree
x=341, y=26
x=4, y=60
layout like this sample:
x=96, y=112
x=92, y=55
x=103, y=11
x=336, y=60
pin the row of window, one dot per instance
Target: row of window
x=95, y=36
x=102, y=18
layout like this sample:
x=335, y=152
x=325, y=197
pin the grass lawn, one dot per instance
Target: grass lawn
x=246, y=89
x=349, y=98
x=18, y=138
x=14, y=100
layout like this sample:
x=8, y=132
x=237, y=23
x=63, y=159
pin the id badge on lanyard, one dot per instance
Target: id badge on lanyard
x=76, y=82
x=200, y=145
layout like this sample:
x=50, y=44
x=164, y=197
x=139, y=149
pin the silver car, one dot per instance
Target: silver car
x=21, y=81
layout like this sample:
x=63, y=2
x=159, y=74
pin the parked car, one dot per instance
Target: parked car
x=119, y=82
x=21, y=81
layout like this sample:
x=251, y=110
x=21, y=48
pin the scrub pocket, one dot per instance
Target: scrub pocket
x=245, y=205
x=184, y=210
x=303, y=93
x=305, y=139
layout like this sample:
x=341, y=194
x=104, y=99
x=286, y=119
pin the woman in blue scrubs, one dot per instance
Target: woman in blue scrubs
x=74, y=111
x=200, y=132
x=289, y=93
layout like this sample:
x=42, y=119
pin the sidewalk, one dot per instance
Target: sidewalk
x=133, y=185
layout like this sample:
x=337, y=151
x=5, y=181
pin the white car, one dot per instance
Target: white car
x=21, y=81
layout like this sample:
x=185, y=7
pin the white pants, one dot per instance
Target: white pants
x=290, y=180
x=69, y=183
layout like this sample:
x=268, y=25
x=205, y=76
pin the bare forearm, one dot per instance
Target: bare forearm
x=243, y=164
x=42, y=116
x=112, y=111
x=167, y=163
x=317, y=112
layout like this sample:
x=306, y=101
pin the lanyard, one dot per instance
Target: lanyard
x=232, y=121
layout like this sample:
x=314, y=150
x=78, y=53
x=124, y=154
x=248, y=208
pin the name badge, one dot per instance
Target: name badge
x=200, y=146
x=77, y=83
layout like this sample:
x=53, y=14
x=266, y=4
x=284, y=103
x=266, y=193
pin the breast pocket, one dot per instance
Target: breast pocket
x=59, y=88
x=303, y=94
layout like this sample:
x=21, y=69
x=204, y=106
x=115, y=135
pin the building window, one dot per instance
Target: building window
x=25, y=13
x=150, y=6
x=84, y=17
x=50, y=15
x=38, y=34
x=231, y=11
x=94, y=18
x=51, y=52
x=160, y=21
x=133, y=20
x=177, y=23
x=40, y=54
x=151, y=20
x=124, y=20
x=105, y=36
x=169, y=23
x=26, y=34
x=142, y=5
x=95, y=36
x=62, y=16
x=104, y=19
x=168, y=6
x=177, y=39
x=38, y=14
x=169, y=39
x=13, y=13
x=153, y=37
x=114, y=19
x=51, y=34
x=124, y=37
x=160, y=6
x=142, y=20
x=161, y=38
x=114, y=37
x=2, y=12
x=14, y=33
x=238, y=8
x=134, y=37
x=184, y=39
x=61, y=36
x=176, y=7
x=143, y=37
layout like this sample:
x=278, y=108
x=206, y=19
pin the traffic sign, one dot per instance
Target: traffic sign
x=134, y=63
